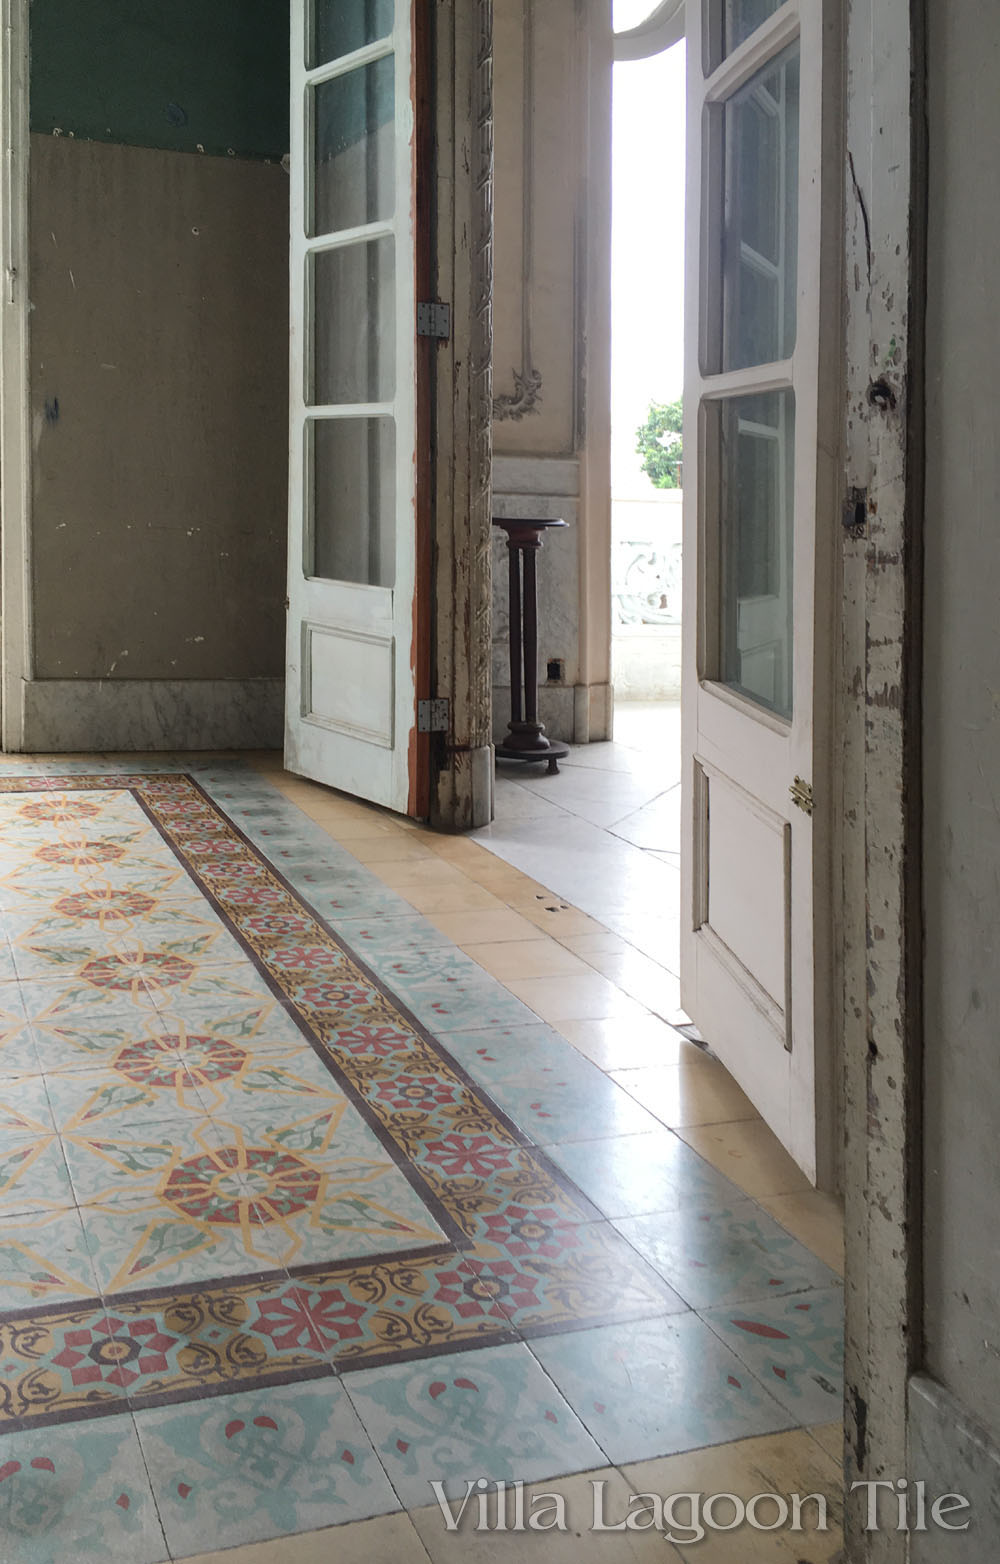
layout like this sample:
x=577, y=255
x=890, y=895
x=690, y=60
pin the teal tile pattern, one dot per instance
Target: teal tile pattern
x=725, y=1254
x=248, y=1468
x=795, y=1346
x=658, y=1387
x=454, y=1419
x=71, y=1494
x=641, y=1175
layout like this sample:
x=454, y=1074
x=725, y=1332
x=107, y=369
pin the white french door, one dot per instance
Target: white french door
x=352, y=566
x=759, y=485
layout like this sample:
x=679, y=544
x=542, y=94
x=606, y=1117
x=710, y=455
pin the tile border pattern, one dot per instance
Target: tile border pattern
x=527, y=1254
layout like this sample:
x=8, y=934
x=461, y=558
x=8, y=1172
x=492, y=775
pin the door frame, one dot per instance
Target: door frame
x=462, y=410
x=16, y=633
x=880, y=678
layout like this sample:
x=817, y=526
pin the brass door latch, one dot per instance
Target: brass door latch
x=802, y=795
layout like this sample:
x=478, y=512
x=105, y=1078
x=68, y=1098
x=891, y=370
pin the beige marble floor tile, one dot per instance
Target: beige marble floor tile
x=574, y=998
x=344, y=814
x=816, y=1220
x=393, y=846
x=300, y=793
x=748, y=1153
x=459, y=849
x=453, y=895
x=642, y=977
x=695, y=1091
x=490, y=870
x=579, y=1543
x=425, y=870
x=388, y=1539
x=831, y=1437
x=486, y=928
x=782, y=1464
x=318, y=802
x=373, y=829
x=517, y=960
x=603, y=943
x=629, y=1042
x=557, y=917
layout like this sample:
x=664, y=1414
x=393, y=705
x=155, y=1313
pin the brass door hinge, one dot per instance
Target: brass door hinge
x=802, y=795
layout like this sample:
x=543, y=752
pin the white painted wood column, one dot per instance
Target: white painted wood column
x=884, y=195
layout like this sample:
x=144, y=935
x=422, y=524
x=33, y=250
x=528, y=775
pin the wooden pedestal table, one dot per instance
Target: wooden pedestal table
x=526, y=738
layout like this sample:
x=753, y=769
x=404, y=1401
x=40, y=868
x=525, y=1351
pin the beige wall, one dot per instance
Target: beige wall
x=552, y=85
x=158, y=341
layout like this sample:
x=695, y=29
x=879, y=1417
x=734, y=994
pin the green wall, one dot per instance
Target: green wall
x=182, y=75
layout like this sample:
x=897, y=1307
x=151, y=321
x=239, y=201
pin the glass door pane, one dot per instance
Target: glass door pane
x=743, y=17
x=757, y=470
x=761, y=130
x=729, y=23
x=338, y=27
x=353, y=148
x=351, y=472
x=350, y=294
x=353, y=294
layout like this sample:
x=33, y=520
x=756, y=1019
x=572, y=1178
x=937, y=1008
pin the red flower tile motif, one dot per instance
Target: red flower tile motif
x=153, y=969
x=304, y=958
x=308, y=1317
x=242, y=1185
x=206, y=846
x=244, y=870
x=507, y=1283
x=381, y=1040
x=335, y=996
x=278, y=925
x=79, y=852
x=207, y=1058
x=521, y=1231
x=56, y=810
x=254, y=895
x=475, y=1154
x=151, y=1061
x=417, y=1091
x=115, y=1352
x=205, y=826
x=105, y=905
x=469, y=1294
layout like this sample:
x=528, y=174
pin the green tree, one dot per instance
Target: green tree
x=659, y=441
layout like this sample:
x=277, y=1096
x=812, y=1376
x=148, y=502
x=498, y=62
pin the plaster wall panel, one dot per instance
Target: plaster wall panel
x=552, y=74
x=159, y=411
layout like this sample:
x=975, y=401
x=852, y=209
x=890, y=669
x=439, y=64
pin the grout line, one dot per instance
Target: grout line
x=344, y=1382
x=167, y=1553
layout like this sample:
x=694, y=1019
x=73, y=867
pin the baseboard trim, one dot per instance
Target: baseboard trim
x=81, y=715
x=462, y=798
x=593, y=713
x=952, y=1452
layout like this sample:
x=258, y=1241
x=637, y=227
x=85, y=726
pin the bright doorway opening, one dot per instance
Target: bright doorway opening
x=647, y=453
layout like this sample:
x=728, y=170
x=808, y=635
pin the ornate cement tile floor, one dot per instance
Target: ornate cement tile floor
x=289, y=1198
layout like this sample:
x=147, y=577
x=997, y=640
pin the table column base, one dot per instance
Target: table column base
x=525, y=739
x=532, y=746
